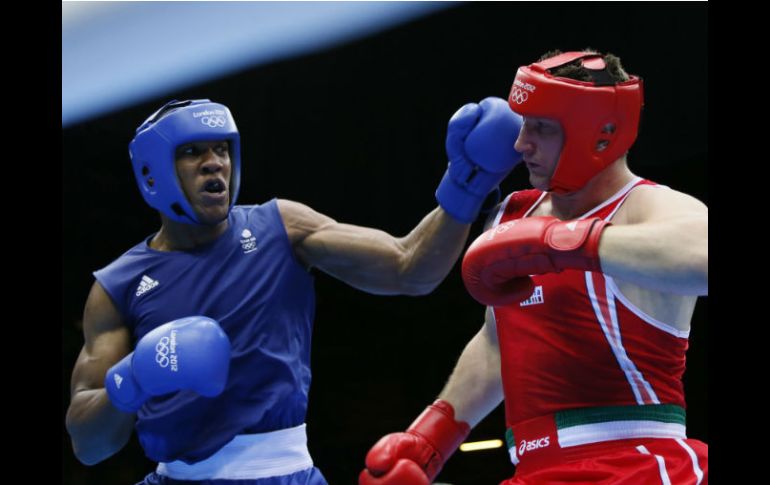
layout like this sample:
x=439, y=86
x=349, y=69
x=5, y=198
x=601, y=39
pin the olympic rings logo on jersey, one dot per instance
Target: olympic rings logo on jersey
x=162, y=349
x=518, y=95
x=213, y=121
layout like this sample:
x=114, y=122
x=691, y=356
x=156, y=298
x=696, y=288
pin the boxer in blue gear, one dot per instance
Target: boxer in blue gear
x=199, y=336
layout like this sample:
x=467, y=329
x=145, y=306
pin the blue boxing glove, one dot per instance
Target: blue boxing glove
x=190, y=353
x=479, y=143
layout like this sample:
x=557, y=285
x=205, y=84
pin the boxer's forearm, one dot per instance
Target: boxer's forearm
x=431, y=249
x=97, y=429
x=475, y=387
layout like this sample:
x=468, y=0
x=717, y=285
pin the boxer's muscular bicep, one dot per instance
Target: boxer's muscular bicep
x=365, y=258
x=661, y=243
x=651, y=204
x=107, y=340
x=98, y=430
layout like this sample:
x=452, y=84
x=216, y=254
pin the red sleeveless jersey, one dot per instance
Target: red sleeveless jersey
x=577, y=342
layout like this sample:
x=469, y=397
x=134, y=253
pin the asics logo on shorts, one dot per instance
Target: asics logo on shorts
x=533, y=445
x=213, y=121
x=518, y=95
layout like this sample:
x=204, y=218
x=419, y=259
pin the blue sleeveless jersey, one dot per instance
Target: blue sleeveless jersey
x=248, y=280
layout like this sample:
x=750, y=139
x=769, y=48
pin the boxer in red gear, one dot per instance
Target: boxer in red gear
x=590, y=281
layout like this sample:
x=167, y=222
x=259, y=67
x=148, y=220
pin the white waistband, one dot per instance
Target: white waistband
x=248, y=456
x=619, y=430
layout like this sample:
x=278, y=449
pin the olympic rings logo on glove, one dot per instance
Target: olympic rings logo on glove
x=162, y=349
x=518, y=95
x=491, y=233
x=213, y=121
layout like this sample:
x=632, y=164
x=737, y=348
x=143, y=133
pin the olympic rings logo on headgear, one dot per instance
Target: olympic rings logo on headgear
x=153, y=148
x=518, y=95
x=213, y=121
x=162, y=350
x=583, y=108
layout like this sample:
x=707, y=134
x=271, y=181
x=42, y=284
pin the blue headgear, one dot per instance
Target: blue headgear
x=153, y=150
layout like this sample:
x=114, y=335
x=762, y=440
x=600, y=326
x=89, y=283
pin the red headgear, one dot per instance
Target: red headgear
x=600, y=119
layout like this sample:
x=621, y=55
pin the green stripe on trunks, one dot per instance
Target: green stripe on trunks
x=664, y=413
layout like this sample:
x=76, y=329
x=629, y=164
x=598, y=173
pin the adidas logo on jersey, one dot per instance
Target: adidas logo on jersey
x=146, y=285
x=535, y=299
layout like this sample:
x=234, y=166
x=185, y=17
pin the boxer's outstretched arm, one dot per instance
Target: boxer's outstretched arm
x=97, y=429
x=663, y=247
x=373, y=260
x=479, y=144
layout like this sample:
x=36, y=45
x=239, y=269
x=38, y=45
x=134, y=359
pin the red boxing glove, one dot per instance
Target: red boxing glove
x=416, y=456
x=496, y=267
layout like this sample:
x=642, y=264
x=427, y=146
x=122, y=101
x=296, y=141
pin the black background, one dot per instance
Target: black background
x=357, y=132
